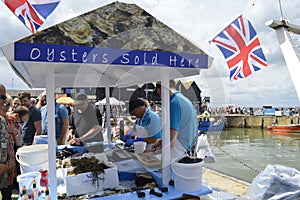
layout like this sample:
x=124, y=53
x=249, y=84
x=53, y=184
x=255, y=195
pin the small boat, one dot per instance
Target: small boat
x=205, y=126
x=289, y=128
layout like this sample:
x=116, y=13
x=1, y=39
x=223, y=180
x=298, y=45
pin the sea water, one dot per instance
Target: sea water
x=243, y=153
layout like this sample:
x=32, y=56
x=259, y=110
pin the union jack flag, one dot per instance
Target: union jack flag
x=32, y=13
x=240, y=46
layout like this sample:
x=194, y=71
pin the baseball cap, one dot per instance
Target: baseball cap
x=133, y=104
x=80, y=98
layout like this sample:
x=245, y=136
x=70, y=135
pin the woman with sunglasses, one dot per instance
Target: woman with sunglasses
x=7, y=159
x=15, y=120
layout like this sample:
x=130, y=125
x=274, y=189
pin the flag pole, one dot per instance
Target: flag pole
x=252, y=4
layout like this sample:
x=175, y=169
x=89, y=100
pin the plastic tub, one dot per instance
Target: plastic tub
x=32, y=158
x=26, y=180
x=187, y=176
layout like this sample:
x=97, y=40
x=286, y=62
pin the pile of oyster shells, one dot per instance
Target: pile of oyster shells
x=116, y=25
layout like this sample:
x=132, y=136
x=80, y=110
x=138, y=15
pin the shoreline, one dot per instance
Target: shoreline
x=227, y=183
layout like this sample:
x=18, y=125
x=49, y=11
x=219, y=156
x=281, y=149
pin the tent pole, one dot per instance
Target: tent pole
x=166, y=152
x=108, y=115
x=51, y=133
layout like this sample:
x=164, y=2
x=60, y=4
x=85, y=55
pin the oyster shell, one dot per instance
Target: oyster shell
x=85, y=164
x=143, y=41
x=130, y=8
x=102, y=25
x=77, y=29
x=116, y=25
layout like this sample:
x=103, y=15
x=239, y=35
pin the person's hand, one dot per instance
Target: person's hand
x=131, y=141
x=69, y=137
x=128, y=135
x=3, y=169
x=157, y=145
x=11, y=129
x=148, y=150
x=75, y=141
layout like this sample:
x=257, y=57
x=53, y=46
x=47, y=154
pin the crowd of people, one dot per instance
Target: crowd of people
x=23, y=119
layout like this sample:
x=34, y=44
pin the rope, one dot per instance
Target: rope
x=234, y=158
x=239, y=161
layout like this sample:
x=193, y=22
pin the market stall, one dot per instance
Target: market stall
x=116, y=45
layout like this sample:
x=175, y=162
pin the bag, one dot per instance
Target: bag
x=203, y=150
x=275, y=182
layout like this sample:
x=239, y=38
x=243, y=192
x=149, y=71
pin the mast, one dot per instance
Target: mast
x=288, y=48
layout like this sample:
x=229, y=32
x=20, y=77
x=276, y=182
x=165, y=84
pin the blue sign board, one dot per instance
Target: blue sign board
x=269, y=111
x=36, y=52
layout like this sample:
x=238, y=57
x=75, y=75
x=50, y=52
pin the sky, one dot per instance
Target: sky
x=199, y=21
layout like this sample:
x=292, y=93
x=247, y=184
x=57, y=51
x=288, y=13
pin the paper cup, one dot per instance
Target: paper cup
x=139, y=147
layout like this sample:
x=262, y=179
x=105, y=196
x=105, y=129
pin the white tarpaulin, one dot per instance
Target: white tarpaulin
x=112, y=101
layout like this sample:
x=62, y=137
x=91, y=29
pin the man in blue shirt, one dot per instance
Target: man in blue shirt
x=147, y=125
x=33, y=126
x=61, y=122
x=183, y=123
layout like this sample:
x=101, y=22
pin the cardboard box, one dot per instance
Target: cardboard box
x=83, y=183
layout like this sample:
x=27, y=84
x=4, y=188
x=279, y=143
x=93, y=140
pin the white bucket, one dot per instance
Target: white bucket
x=26, y=180
x=187, y=176
x=32, y=158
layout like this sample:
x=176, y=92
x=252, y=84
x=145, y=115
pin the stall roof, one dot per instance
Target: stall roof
x=115, y=45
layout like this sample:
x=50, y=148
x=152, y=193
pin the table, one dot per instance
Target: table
x=172, y=193
x=157, y=175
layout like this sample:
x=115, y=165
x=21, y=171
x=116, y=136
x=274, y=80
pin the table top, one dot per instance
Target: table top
x=75, y=148
x=157, y=175
x=172, y=193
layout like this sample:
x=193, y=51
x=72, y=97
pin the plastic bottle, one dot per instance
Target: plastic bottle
x=35, y=191
x=24, y=190
x=24, y=196
x=47, y=194
x=44, y=178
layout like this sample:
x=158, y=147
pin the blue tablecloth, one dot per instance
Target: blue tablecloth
x=172, y=193
x=157, y=175
x=74, y=148
x=84, y=149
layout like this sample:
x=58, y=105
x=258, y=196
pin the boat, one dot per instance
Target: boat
x=289, y=128
x=206, y=126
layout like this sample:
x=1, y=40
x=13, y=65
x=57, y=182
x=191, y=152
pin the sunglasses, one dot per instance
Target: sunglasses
x=3, y=97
